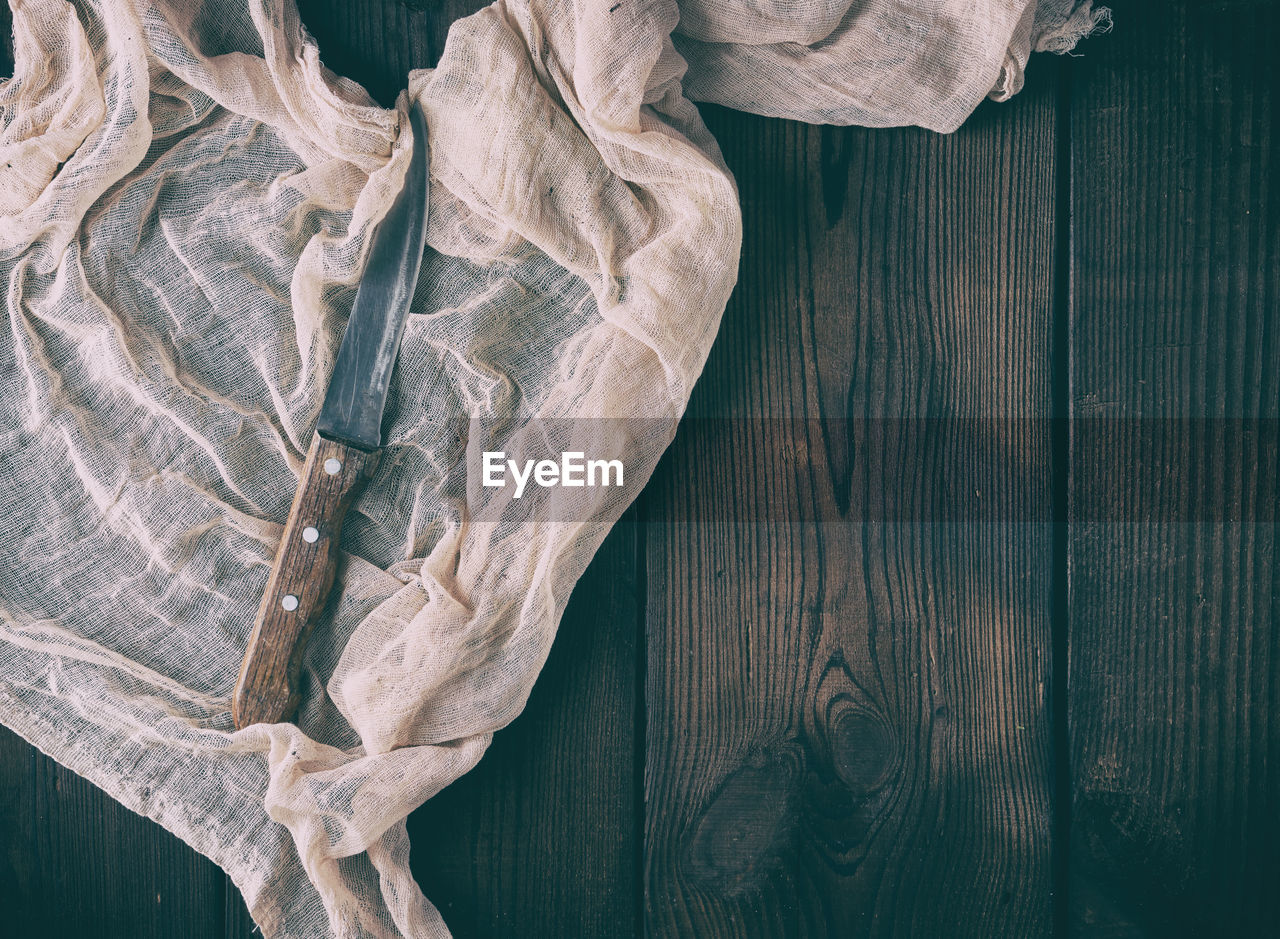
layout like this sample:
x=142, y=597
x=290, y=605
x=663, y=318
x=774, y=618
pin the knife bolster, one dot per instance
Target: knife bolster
x=301, y=577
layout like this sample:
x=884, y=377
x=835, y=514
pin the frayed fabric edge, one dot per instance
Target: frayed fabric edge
x=1048, y=26
x=1060, y=35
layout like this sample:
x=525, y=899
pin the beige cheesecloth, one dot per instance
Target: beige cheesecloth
x=185, y=197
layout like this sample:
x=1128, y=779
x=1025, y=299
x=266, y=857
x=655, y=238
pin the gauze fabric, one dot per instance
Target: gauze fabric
x=186, y=197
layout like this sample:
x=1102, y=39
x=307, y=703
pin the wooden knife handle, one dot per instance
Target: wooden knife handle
x=267, y=691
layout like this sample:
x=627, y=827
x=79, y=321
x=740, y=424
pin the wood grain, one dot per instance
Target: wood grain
x=77, y=863
x=1175, y=614
x=847, y=706
x=378, y=42
x=301, y=577
x=6, y=42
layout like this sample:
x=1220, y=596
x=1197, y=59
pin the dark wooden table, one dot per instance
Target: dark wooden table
x=1021, y=678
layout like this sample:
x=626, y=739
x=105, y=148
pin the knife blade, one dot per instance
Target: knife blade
x=343, y=454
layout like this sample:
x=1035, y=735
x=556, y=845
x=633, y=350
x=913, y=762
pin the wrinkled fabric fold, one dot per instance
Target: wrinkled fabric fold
x=186, y=198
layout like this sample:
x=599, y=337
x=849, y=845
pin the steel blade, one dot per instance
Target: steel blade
x=357, y=395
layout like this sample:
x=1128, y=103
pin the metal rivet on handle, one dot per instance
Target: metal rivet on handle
x=332, y=466
x=310, y=535
x=290, y=602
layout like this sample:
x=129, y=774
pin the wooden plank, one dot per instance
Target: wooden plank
x=1175, y=610
x=378, y=42
x=6, y=42
x=77, y=863
x=19, y=889
x=849, y=602
x=541, y=839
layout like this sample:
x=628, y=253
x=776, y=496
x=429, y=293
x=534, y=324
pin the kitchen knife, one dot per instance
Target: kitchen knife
x=343, y=453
